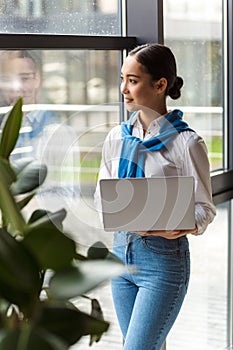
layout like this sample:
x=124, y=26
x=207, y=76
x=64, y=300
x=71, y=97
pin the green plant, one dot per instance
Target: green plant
x=34, y=314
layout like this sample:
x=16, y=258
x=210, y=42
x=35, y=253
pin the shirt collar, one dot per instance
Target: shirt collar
x=154, y=125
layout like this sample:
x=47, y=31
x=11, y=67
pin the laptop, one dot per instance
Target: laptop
x=145, y=204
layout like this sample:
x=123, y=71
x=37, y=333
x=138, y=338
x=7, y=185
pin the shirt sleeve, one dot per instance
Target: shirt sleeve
x=105, y=171
x=196, y=164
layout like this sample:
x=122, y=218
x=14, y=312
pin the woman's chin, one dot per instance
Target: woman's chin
x=131, y=107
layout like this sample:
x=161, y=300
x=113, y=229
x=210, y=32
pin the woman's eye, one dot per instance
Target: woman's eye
x=132, y=81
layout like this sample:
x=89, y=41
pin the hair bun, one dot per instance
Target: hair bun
x=174, y=92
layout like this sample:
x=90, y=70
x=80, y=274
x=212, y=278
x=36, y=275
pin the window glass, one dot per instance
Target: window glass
x=89, y=17
x=193, y=30
x=70, y=103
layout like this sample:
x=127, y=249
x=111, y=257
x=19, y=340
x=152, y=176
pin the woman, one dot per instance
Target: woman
x=154, y=142
x=20, y=77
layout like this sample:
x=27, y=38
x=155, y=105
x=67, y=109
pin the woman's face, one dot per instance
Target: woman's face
x=137, y=87
x=19, y=79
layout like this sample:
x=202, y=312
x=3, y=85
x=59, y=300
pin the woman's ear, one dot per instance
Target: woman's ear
x=37, y=80
x=161, y=85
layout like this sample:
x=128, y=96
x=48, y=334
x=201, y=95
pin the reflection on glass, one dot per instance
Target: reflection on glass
x=202, y=324
x=20, y=76
x=70, y=102
x=194, y=31
x=98, y=17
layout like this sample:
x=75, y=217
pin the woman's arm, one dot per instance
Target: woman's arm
x=196, y=164
x=109, y=161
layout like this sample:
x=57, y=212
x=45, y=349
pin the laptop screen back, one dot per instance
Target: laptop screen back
x=144, y=204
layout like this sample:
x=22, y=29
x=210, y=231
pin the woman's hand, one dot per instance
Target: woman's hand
x=173, y=234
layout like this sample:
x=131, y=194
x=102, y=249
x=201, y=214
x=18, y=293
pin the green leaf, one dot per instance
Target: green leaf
x=96, y=312
x=29, y=178
x=4, y=318
x=9, y=173
x=37, y=214
x=79, y=280
x=97, y=251
x=70, y=324
x=9, y=317
x=19, y=274
x=19, y=164
x=23, y=202
x=50, y=247
x=29, y=339
x=11, y=129
x=9, y=208
x=45, y=218
x=80, y=257
x=113, y=257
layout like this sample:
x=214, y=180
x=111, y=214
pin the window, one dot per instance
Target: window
x=89, y=17
x=197, y=44
x=70, y=102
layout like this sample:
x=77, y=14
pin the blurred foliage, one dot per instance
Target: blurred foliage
x=40, y=268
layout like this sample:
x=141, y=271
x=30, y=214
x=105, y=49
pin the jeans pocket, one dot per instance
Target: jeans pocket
x=160, y=245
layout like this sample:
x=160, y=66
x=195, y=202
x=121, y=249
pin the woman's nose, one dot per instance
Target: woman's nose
x=124, y=88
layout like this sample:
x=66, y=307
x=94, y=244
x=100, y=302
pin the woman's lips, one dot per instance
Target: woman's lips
x=128, y=100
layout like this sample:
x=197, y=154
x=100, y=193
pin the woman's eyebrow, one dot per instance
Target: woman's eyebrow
x=132, y=75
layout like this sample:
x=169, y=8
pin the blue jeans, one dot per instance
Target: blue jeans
x=148, y=302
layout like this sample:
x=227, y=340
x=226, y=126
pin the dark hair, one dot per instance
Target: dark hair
x=160, y=62
x=7, y=55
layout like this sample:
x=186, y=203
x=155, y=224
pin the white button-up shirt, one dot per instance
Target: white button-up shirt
x=185, y=155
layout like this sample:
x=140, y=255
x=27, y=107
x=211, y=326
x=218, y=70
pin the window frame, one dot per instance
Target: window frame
x=65, y=42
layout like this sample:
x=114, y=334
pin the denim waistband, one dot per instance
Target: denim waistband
x=122, y=238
